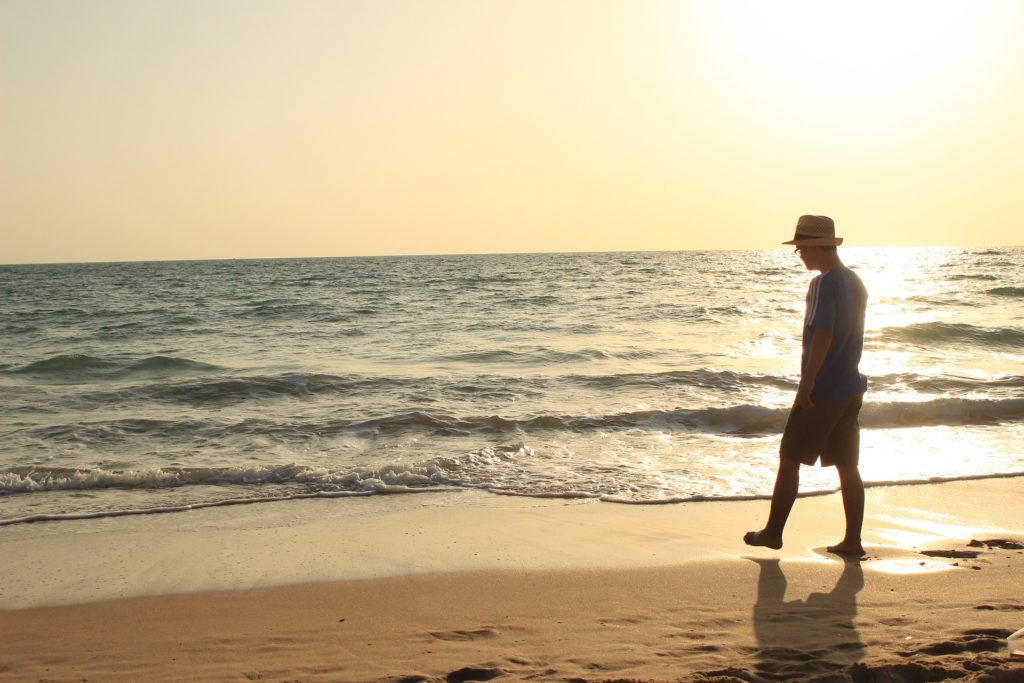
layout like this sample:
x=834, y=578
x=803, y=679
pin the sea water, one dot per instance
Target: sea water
x=628, y=377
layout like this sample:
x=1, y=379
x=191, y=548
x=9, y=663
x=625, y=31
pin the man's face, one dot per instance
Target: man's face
x=811, y=256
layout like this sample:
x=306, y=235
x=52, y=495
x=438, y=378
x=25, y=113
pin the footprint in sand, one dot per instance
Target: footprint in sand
x=478, y=634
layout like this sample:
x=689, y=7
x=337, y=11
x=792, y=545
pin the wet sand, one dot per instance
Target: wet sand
x=414, y=588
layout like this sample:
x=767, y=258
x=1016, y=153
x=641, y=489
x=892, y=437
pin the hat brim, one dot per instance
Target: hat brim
x=817, y=242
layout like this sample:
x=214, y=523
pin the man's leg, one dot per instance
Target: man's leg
x=787, y=483
x=853, y=506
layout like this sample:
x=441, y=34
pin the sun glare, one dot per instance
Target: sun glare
x=851, y=42
x=872, y=67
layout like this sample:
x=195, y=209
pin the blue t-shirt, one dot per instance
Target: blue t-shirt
x=836, y=301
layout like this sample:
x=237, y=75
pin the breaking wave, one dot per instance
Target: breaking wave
x=937, y=333
x=308, y=483
x=1007, y=291
x=742, y=420
x=36, y=479
x=77, y=366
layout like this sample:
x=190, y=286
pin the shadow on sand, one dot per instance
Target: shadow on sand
x=809, y=637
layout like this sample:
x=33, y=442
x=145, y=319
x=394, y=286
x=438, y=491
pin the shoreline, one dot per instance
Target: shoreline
x=565, y=498
x=400, y=589
x=319, y=540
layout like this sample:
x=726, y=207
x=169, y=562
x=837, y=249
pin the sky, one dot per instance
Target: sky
x=184, y=129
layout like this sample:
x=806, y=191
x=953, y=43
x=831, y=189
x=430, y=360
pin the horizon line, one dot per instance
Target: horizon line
x=495, y=253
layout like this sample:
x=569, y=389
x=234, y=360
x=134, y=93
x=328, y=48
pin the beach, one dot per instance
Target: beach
x=454, y=468
x=461, y=341
x=400, y=588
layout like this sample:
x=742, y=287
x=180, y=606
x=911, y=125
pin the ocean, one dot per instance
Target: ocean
x=634, y=378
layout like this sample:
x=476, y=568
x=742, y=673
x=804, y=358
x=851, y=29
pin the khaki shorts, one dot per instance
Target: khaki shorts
x=829, y=429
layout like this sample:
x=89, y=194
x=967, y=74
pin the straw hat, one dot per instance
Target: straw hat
x=815, y=231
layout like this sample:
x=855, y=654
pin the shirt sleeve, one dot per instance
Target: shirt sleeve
x=822, y=313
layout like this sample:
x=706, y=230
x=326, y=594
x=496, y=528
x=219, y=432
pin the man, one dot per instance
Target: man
x=823, y=420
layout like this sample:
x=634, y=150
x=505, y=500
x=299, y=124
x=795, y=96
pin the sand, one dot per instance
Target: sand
x=411, y=588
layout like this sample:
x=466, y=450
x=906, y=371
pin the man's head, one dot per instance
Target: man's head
x=815, y=231
x=815, y=241
x=817, y=258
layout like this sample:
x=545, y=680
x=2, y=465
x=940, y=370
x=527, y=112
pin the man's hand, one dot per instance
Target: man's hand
x=803, y=397
x=820, y=342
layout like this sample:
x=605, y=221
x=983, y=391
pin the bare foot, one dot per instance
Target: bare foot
x=763, y=538
x=848, y=549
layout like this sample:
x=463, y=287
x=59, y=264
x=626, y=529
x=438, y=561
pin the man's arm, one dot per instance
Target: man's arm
x=820, y=342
